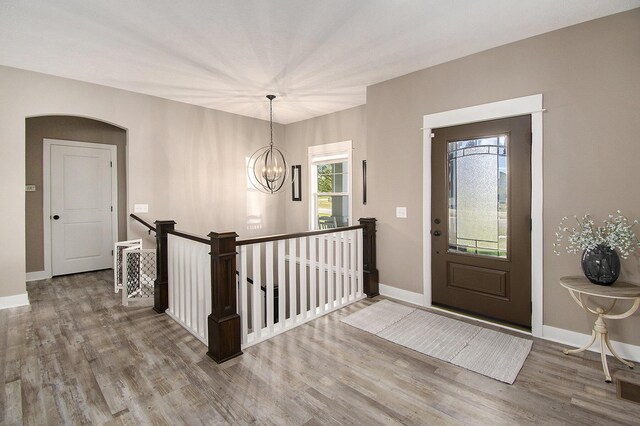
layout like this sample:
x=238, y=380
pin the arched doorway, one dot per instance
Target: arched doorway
x=67, y=128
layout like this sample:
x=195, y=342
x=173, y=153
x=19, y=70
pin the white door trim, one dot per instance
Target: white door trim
x=46, y=192
x=508, y=108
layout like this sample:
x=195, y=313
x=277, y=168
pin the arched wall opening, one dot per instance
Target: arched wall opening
x=71, y=128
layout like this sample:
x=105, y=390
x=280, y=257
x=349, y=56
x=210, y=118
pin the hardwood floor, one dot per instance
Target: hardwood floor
x=76, y=356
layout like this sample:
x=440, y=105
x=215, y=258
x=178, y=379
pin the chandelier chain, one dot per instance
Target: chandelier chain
x=271, y=118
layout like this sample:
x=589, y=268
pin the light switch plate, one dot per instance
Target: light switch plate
x=141, y=208
x=30, y=188
x=401, y=212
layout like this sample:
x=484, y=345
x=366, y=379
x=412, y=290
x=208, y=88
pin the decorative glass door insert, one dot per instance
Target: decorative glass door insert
x=478, y=196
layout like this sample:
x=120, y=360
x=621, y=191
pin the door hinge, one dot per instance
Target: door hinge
x=110, y=163
x=111, y=252
x=530, y=224
x=111, y=208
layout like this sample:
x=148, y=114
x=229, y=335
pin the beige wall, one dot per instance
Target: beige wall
x=186, y=162
x=74, y=129
x=589, y=77
x=337, y=127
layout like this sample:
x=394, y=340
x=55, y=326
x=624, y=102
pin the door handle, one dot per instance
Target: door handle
x=436, y=233
x=56, y=217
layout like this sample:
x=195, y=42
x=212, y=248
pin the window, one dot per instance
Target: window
x=330, y=169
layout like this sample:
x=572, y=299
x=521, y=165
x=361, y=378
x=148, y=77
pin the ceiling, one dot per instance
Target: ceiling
x=317, y=56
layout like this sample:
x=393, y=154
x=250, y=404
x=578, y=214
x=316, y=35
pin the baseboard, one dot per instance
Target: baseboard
x=400, y=294
x=37, y=275
x=577, y=340
x=14, y=301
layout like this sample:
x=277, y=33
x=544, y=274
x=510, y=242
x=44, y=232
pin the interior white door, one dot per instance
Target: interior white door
x=81, y=209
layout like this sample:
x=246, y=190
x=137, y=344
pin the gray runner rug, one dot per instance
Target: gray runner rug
x=490, y=353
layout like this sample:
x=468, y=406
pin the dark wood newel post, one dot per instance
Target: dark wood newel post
x=370, y=270
x=161, y=284
x=224, y=322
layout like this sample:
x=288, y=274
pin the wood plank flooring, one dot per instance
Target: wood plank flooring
x=76, y=356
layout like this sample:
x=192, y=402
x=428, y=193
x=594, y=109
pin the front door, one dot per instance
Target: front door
x=481, y=219
x=81, y=209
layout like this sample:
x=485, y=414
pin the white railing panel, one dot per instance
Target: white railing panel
x=189, y=275
x=331, y=261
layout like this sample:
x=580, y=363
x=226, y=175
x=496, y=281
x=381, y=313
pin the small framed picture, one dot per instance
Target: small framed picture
x=364, y=181
x=296, y=183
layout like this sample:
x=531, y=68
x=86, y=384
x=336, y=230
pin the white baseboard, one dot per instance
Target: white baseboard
x=577, y=340
x=14, y=301
x=37, y=275
x=400, y=294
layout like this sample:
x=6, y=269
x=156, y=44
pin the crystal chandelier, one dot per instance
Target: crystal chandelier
x=268, y=169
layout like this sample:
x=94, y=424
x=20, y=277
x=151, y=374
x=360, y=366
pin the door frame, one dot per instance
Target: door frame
x=527, y=105
x=46, y=192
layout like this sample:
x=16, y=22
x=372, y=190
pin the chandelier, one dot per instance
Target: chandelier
x=267, y=166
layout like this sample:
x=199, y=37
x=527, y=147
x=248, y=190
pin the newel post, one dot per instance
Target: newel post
x=370, y=271
x=161, y=284
x=224, y=322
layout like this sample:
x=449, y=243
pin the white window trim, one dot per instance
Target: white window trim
x=329, y=153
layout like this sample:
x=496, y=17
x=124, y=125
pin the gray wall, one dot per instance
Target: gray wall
x=337, y=127
x=74, y=129
x=186, y=162
x=589, y=77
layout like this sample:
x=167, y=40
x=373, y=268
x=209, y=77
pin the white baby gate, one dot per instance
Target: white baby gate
x=134, y=271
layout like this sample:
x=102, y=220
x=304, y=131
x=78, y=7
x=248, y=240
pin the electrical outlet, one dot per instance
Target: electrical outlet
x=141, y=208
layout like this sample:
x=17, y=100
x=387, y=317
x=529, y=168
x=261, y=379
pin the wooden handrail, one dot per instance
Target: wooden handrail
x=296, y=235
x=142, y=221
x=189, y=236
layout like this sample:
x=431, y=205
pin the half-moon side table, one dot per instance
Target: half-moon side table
x=579, y=287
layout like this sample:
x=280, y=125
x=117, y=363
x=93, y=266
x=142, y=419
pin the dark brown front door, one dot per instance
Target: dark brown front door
x=481, y=212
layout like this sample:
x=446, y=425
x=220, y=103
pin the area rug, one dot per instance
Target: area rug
x=490, y=353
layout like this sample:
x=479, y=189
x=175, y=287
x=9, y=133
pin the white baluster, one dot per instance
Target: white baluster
x=330, y=271
x=352, y=264
x=243, y=288
x=344, y=240
x=303, y=277
x=321, y=273
x=282, y=286
x=188, y=289
x=312, y=275
x=256, y=299
x=170, y=272
x=293, y=307
x=338, y=270
x=269, y=293
x=360, y=267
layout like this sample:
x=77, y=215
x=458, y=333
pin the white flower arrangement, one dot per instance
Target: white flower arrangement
x=615, y=233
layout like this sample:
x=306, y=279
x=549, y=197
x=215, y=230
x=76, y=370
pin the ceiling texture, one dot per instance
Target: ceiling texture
x=317, y=56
